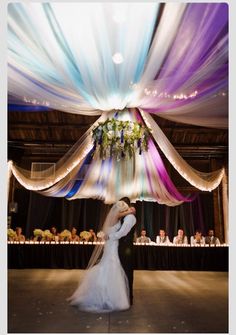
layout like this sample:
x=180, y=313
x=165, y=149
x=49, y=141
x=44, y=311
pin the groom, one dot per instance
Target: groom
x=125, y=236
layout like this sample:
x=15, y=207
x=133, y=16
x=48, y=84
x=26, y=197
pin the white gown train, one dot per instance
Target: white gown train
x=104, y=287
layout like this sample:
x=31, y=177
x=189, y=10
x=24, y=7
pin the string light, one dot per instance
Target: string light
x=36, y=102
x=187, y=173
x=9, y=170
x=209, y=186
x=30, y=185
x=223, y=94
x=180, y=96
x=48, y=184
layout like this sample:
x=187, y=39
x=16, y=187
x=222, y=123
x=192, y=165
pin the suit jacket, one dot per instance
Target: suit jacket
x=143, y=239
x=165, y=241
x=214, y=240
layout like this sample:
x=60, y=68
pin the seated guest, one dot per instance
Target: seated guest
x=74, y=237
x=162, y=238
x=55, y=234
x=19, y=236
x=180, y=238
x=197, y=239
x=143, y=238
x=93, y=237
x=211, y=239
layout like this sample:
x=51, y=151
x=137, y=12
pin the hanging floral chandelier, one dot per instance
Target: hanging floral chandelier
x=120, y=139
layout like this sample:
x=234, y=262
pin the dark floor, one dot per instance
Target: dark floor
x=165, y=302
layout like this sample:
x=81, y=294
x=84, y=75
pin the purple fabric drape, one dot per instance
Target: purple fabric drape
x=161, y=170
x=202, y=38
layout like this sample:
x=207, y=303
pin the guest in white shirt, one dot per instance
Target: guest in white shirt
x=197, y=239
x=211, y=239
x=143, y=238
x=162, y=238
x=181, y=238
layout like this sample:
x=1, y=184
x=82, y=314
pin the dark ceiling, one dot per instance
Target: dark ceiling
x=49, y=134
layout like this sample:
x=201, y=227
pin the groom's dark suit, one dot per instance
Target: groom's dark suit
x=126, y=256
x=125, y=236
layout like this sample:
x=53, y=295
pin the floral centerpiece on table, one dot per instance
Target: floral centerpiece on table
x=120, y=139
x=38, y=234
x=85, y=235
x=47, y=235
x=65, y=235
x=11, y=234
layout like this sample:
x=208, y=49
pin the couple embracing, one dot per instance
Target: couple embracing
x=108, y=283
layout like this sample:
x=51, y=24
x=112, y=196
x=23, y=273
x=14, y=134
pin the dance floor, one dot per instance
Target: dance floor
x=164, y=302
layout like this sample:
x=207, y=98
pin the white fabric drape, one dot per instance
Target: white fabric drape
x=9, y=174
x=140, y=177
x=66, y=167
x=62, y=54
x=78, y=73
x=201, y=180
x=92, y=58
x=225, y=207
x=163, y=39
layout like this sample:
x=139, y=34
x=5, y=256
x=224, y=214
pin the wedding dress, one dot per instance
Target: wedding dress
x=104, y=287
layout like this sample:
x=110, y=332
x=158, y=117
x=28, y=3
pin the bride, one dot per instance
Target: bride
x=104, y=287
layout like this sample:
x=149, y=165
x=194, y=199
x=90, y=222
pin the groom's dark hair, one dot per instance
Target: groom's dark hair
x=126, y=200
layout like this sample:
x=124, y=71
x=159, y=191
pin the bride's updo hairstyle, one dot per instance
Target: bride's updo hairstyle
x=126, y=200
x=122, y=206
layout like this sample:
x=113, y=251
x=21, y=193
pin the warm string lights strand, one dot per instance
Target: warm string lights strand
x=64, y=167
x=157, y=74
x=200, y=180
x=141, y=176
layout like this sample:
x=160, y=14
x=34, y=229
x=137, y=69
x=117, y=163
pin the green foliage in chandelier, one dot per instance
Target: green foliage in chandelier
x=120, y=139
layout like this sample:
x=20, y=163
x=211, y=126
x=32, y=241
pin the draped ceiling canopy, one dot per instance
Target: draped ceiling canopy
x=124, y=61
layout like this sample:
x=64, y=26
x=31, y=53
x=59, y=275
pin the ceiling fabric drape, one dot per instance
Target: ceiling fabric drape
x=137, y=58
x=182, y=75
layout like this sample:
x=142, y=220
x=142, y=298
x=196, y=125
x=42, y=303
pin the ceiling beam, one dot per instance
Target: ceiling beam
x=45, y=125
x=42, y=126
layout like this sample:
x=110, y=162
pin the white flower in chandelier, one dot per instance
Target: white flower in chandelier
x=117, y=134
x=110, y=134
x=109, y=126
x=131, y=126
x=129, y=133
x=118, y=58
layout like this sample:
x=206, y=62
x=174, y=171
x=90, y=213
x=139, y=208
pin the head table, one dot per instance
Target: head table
x=75, y=255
